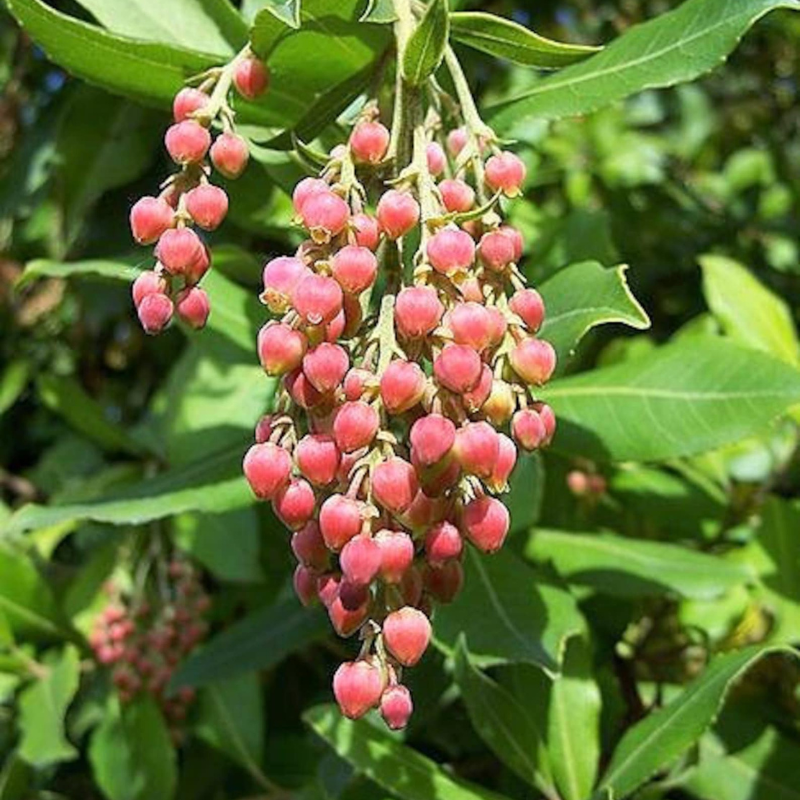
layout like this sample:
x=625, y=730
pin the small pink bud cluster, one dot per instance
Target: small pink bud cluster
x=393, y=436
x=189, y=202
x=142, y=642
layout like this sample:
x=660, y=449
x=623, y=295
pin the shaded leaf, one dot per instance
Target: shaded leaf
x=287, y=11
x=380, y=12
x=12, y=383
x=424, y=49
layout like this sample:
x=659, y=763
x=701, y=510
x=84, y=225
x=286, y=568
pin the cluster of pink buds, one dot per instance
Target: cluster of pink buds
x=402, y=402
x=142, y=641
x=188, y=201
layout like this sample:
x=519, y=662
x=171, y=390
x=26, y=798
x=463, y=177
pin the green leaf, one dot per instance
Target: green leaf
x=583, y=296
x=747, y=311
x=259, y=641
x=508, y=612
x=379, y=12
x=424, y=49
x=684, y=398
x=506, y=39
x=398, y=769
x=131, y=753
x=12, y=383
x=42, y=707
x=660, y=738
x=675, y=47
x=46, y=268
x=525, y=492
x=287, y=11
x=627, y=567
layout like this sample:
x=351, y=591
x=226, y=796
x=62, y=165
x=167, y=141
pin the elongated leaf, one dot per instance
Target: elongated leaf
x=398, y=769
x=508, y=612
x=627, y=567
x=12, y=383
x=675, y=47
x=259, y=641
x=661, y=737
x=684, y=398
x=425, y=47
x=45, y=268
x=747, y=310
x=582, y=296
x=514, y=42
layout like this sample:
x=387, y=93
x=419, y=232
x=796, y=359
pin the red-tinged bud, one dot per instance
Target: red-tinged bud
x=445, y=582
x=198, y=268
x=505, y=173
x=349, y=609
x=534, y=360
x=471, y=290
x=263, y=429
x=402, y=386
x=443, y=543
x=457, y=140
x=187, y=102
x=207, y=205
x=305, y=189
x=398, y=212
x=423, y=511
x=147, y=283
x=317, y=299
x=294, y=504
x=548, y=420
x=397, y=554
x=187, y=142
x=360, y=560
x=357, y=687
x=267, y=468
x=499, y=406
x=369, y=142
x=305, y=585
x=496, y=251
x=353, y=315
x=230, y=154
x=477, y=448
x=436, y=480
x=155, y=312
x=528, y=305
x=367, y=231
x=150, y=217
x=309, y=547
x=301, y=391
x=325, y=366
x=432, y=438
x=280, y=348
x=485, y=522
x=437, y=160
x=325, y=215
x=451, y=250
x=328, y=587
x=355, y=426
x=340, y=519
x=356, y=382
x=458, y=368
x=504, y=466
x=396, y=707
x=394, y=485
x=178, y=249
x=406, y=634
x=471, y=324
x=528, y=429
x=355, y=268
x=317, y=458
x=193, y=307
x=516, y=238
x=281, y=277
x=417, y=311
x=411, y=586
x=251, y=77
x=457, y=195
x=498, y=325
x=474, y=399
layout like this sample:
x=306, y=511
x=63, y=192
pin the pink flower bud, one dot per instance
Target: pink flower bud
x=230, y=154
x=367, y=231
x=340, y=519
x=470, y=324
x=325, y=215
x=396, y=707
x=263, y=429
x=369, y=142
x=280, y=348
x=178, y=249
x=309, y=547
x=505, y=173
x=437, y=160
x=317, y=298
x=267, y=468
x=423, y=511
x=504, y=466
x=496, y=251
x=281, y=277
x=301, y=391
x=471, y=290
x=485, y=523
x=398, y=212
x=477, y=447
x=186, y=102
x=498, y=326
x=328, y=587
x=325, y=366
x=432, y=437
x=305, y=585
x=417, y=311
x=499, y=406
x=251, y=78
x=294, y=504
x=349, y=608
x=528, y=429
x=193, y=307
x=397, y=554
x=360, y=560
x=187, y=142
x=534, y=360
x=305, y=189
x=548, y=420
x=406, y=634
x=516, y=239
x=317, y=458
x=457, y=368
x=146, y=283
x=402, y=386
x=155, y=312
x=450, y=250
x=355, y=268
x=394, y=484
x=355, y=426
x=150, y=217
x=356, y=382
x=457, y=140
x=207, y=205
x=443, y=543
x=474, y=399
x=357, y=687
x=198, y=268
x=528, y=305
x=457, y=195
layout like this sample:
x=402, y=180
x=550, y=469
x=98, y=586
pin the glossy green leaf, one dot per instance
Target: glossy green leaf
x=287, y=11
x=508, y=612
x=424, y=49
x=509, y=40
x=13, y=381
x=47, y=268
x=661, y=737
x=380, y=12
x=259, y=641
x=400, y=770
x=684, y=398
x=747, y=310
x=628, y=567
x=672, y=48
x=583, y=296
x=42, y=707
